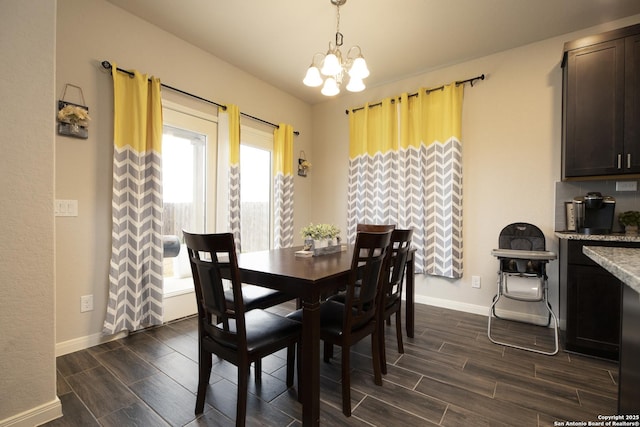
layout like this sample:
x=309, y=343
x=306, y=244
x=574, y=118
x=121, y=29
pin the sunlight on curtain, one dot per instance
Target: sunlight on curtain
x=228, y=210
x=283, y=186
x=135, y=276
x=405, y=168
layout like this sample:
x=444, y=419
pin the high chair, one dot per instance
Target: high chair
x=522, y=254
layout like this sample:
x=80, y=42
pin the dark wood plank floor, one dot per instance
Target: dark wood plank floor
x=449, y=375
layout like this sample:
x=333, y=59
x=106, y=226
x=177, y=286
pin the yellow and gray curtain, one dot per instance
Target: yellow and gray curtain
x=229, y=168
x=283, y=186
x=405, y=168
x=135, y=275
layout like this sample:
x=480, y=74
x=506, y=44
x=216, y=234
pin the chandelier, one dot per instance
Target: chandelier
x=330, y=69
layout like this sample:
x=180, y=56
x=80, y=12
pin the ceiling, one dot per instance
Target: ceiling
x=275, y=40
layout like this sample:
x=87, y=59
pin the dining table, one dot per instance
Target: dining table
x=309, y=279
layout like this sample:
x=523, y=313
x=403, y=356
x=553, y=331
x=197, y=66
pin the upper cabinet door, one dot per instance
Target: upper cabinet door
x=601, y=106
x=632, y=104
x=594, y=90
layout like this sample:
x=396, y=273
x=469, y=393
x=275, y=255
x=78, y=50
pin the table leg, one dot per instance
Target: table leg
x=311, y=362
x=410, y=296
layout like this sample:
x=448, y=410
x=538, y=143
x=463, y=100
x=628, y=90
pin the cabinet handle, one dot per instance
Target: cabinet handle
x=619, y=161
x=629, y=161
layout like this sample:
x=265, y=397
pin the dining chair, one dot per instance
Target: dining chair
x=346, y=324
x=240, y=337
x=393, y=278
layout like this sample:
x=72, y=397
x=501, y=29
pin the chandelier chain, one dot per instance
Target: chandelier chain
x=338, y=34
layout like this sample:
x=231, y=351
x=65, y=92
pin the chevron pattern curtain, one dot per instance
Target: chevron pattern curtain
x=283, y=186
x=405, y=168
x=374, y=166
x=229, y=166
x=135, y=275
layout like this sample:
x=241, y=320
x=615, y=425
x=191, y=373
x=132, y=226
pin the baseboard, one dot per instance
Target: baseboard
x=81, y=343
x=482, y=310
x=35, y=416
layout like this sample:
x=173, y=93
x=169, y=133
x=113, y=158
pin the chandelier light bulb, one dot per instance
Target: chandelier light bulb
x=359, y=68
x=355, y=85
x=330, y=87
x=331, y=65
x=313, y=78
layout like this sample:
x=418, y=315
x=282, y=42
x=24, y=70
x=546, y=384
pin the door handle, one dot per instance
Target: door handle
x=629, y=161
x=619, y=161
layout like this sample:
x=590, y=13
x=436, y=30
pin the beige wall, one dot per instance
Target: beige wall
x=511, y=137
x=90, y=31
x=27, y=300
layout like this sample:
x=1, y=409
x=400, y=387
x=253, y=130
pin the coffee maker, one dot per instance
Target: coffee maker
x=594, y=213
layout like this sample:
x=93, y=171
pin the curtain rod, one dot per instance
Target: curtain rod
x=428, y=91
x=107, y=65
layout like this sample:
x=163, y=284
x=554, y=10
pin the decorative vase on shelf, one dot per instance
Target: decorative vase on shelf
x=631, y=229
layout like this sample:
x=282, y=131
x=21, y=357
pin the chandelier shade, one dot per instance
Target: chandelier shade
x=328, y=70
x=313, y=78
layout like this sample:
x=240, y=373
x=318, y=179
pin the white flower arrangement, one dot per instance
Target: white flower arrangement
x=305, y=165
x=320, y=231
x=74, y=114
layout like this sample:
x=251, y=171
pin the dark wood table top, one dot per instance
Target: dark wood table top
x=290, y=273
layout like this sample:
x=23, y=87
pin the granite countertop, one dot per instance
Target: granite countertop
x=613, y=237
x=624, y=263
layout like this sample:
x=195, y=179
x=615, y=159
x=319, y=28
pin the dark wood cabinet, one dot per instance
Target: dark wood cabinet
x=589, y=301
x=629, y=392
x=601, y=110
x=589, y=304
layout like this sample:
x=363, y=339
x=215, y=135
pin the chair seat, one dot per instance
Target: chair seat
x=258, y=297
x=264, y=329
x=331, y=318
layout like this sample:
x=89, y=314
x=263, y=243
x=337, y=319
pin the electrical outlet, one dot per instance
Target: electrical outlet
x=86, y=303
x=475, y=282
x=65, y=208
x=626, y=185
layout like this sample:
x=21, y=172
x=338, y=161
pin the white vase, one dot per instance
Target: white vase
x=321, y=243
x=631, y=229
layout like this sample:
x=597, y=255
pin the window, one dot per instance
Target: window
x=256, y=183
x=183, y=180
x=189, y=159
x=188, y=179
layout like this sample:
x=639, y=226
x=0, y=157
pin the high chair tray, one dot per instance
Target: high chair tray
x=517, y=254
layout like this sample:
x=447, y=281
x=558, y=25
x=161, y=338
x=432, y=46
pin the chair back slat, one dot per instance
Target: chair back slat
x=399, y=247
